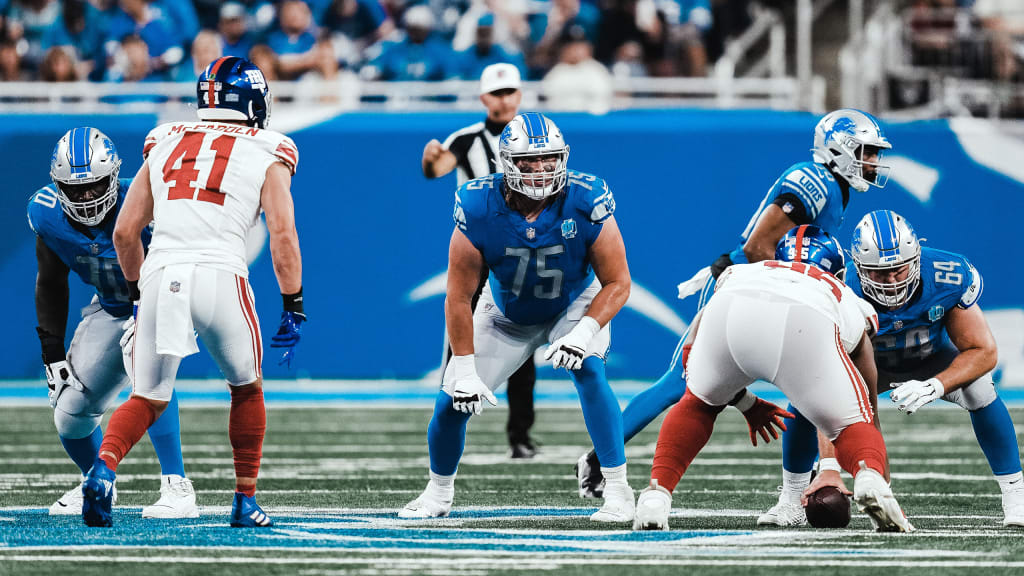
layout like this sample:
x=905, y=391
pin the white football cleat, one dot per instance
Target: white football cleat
x=874, y=497
x=588, y=476
x=652, y=508
x=786, y=512
x=177, y=499
x=1013, y=508
x=434, y=502
x=619, y=503
x=70, y=504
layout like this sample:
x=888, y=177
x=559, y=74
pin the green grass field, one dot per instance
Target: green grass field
x=334, y=478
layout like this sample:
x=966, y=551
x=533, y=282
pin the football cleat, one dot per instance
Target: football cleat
x=98, y=495
x=588, y=476
x=70, y=504
x=652, y=508
x=434, y=502
x=1013, y=508
x=874, y=497
x=786, y=512
x=177, y=499
x=522, y=450
x=246, y=513
x=619, y=504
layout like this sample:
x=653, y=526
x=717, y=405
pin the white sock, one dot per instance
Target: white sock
x=614, y=474
x=1011, y=482
x=794, y=484
x=445, y=483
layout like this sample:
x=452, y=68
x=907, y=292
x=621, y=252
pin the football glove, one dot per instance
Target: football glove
x=469, y=391
x=569, y=350
x=59, y=377
x=762, y=417
x=288, y=336
x=911, y=395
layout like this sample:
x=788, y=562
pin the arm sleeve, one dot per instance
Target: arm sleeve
x=807, y=190
x=288, y=153
x=793, y=207
x=51, y=298
x=974, y=287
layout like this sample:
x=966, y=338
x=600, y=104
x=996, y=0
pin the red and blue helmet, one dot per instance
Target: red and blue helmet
x=233, y=88
x=814, y=246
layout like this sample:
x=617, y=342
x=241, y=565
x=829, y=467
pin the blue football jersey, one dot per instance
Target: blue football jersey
x=910, y=334
x=536, y=268
x=92, y=259
x=817, y=191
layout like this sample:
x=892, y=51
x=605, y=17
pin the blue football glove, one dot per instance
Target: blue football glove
x=288, y=336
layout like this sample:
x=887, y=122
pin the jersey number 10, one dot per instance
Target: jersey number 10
x=183, y=177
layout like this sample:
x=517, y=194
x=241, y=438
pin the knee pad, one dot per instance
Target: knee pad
x=974, y=396
x=74, y=426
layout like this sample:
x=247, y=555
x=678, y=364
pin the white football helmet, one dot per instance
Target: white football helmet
x=839, y=141
x=84, y=170
x=533, y=135
x=884, y=242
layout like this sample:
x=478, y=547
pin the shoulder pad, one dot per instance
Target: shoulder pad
x=154, y=136
x=592, y=196
x=953, y=274
x=288, y=153
x=40, y=206
x=471, y=200
x=870, y=316
x=810, y=183
x=975, y=285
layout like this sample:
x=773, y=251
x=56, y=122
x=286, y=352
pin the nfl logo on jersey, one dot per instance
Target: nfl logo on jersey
x=568, y=229
x=531, y=233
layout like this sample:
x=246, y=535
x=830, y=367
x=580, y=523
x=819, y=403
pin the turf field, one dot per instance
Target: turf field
x=333, y=479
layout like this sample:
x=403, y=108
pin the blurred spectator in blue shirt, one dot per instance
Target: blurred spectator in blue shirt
x=132, y=62
x=549, y=28
x=154, y=31
x=79, y=28
x=418, y=57
x=362, y=22
x=234, y=30
x=27, y=22
x=691, y=25
x=485, y=52
x=206, y=47
x=181, y=15
x=294, y=40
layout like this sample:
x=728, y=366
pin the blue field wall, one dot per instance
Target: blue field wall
x=375, y=233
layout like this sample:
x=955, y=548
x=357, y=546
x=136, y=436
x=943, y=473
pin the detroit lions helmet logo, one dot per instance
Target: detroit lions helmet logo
x=842, y=125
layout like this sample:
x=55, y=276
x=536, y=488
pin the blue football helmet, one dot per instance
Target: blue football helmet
x=839, y=141
x=84, y=169
x=883, y=243
x=233, y=88
x=531, y=135
x=814, y=246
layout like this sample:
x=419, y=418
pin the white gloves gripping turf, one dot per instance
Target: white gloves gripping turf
x=470, y=391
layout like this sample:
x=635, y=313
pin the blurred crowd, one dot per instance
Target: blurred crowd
x=981, y=39
x=563, y=42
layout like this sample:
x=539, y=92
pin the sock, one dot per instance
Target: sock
x=165, y=434
x=446, y=436
x=443, y=486
x=614, y=474
x=83, y=451
x=995, y=433
x=861, y=441
x=127, y=425
x=601, y=412
x=685, y=431
x=794, y=484
x=247, y=424
x=799, y=444
x=1010, y=482
x=649, y=404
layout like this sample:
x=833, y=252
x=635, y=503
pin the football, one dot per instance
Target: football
x=828, y=508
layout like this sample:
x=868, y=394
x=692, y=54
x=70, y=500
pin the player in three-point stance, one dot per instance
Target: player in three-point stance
x=790, y=321
x=932, y=342
x=558, y=275
x=203, y=185
x=847, y=153
x=74, y=223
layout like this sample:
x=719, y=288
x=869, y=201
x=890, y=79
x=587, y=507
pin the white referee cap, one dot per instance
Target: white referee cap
x=499, y=77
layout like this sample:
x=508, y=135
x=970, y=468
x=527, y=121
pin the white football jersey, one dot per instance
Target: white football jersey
x=805, y=284
x=206, y=179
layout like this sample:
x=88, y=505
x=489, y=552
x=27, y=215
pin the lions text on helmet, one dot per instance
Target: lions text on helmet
x=84, y=170
x=850, y=143
x=888, y=258
x=533, y=156
x=234, y=89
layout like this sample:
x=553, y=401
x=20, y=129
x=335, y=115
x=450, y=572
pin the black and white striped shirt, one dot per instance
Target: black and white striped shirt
x=476, y=149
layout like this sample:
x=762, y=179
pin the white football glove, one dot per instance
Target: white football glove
x=913, y=394
x=128, y=345
x=470, y=391
x=569, y=350
x=59, y=377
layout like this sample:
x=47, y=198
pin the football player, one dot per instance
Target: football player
x=74, y=220
x=847, y=154
x=790, y=321
x=203, y=185
x=932, y=342
x=557, y=275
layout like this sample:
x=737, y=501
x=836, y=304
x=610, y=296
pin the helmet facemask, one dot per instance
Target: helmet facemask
x=893, y=293
x=854, y=167
x=88, y=202
x=887, y=255
x=84, y=169
x=537, y=184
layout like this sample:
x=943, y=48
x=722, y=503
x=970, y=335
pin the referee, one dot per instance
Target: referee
x=473, y=151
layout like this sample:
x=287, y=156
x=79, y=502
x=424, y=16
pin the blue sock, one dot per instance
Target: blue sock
x=997, y=437
x=649, y=404
x=165, y=434
x=83, y=451
x=601, y=412
x=446, y=436
x=799, y=443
